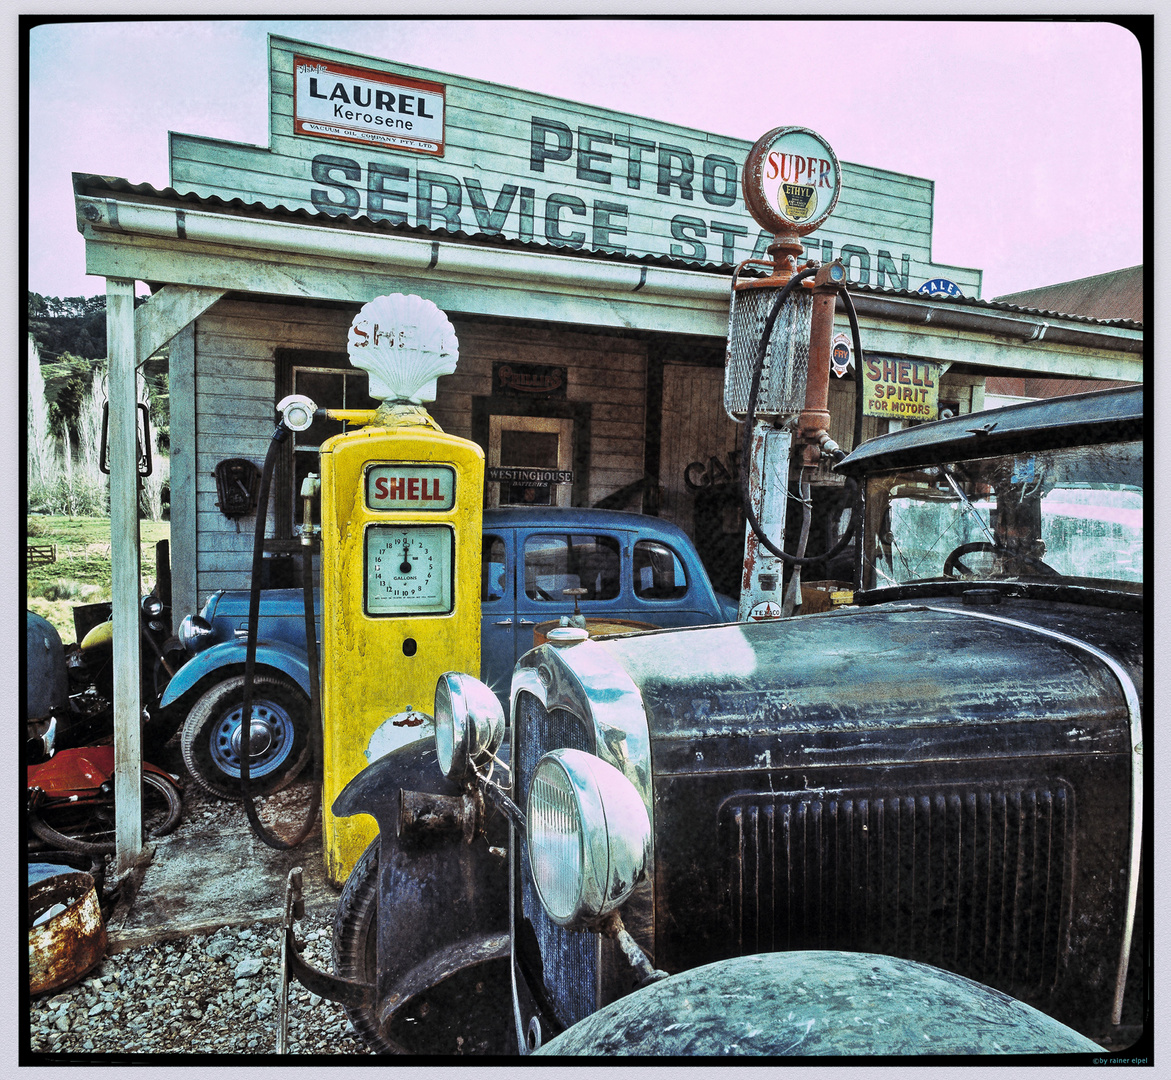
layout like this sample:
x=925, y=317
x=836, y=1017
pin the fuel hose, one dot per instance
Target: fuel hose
x=750, y=423
x=258, y=827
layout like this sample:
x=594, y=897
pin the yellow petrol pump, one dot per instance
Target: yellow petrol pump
x=401, y=518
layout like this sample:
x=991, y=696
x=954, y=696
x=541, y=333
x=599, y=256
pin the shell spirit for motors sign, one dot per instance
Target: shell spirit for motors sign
x=900, y=389
x=339, y=101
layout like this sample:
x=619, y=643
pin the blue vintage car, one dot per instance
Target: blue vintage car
x=632, y=568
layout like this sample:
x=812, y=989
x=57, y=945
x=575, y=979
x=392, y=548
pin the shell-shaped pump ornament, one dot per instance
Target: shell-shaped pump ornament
x=404, y=343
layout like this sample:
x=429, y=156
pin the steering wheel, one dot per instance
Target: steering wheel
x=952, y=563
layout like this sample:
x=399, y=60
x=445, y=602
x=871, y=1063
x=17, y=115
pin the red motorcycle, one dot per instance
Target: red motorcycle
x=71, y=800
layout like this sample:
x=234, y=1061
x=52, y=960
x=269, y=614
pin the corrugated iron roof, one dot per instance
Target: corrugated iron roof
x=93, y=185
x=1114, y=296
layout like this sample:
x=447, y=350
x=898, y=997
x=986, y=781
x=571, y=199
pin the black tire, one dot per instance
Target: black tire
x=207, y=739
x=355, y=943
x=468, y=1013
x=89, y=829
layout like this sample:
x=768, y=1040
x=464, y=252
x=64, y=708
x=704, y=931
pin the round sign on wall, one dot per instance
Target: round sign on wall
x=791, y=180
x=940, y=287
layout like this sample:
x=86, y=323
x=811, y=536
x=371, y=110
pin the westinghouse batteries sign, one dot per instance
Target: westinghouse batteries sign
x=362, y=136
x=339, y=101
x=900, y=389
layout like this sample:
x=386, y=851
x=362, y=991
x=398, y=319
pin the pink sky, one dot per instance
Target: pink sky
x=1029, y=129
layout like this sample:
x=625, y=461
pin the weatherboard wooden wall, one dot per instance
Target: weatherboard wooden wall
x=235, y=400
x=607, y=372
x=235, y=394
x=513, y=157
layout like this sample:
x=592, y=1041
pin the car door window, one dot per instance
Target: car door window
x=658, y=572
x=553, y=563
x=493, y=570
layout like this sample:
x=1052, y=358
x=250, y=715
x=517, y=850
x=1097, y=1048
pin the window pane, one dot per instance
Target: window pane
x=494, y=570
x=555, y=563
x=537, y=450
x=356, y=390
x=1073, y=514
x=658, y=572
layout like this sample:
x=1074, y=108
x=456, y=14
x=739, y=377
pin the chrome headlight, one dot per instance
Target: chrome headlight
x=469, y=724
x=589, y=837
x=195, y=633
x=152, y=606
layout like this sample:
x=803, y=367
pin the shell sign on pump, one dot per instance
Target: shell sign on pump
x=900, y=389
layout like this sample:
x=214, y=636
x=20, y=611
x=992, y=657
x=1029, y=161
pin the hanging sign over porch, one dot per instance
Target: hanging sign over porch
x=900, y=389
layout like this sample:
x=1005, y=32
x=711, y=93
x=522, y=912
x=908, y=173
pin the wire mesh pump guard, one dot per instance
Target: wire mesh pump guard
x=814, y=417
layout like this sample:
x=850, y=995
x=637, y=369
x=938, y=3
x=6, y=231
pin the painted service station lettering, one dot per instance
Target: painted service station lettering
x=400, y=195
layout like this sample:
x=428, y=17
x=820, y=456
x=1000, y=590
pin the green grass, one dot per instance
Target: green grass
x=81, y=574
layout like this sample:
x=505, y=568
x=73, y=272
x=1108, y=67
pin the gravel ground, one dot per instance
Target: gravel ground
x=212, y=993
x=207, y=993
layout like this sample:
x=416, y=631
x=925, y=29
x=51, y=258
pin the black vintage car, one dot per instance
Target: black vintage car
x=948, y=771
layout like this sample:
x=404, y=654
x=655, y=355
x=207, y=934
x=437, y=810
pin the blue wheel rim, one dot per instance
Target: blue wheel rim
x=227, y=730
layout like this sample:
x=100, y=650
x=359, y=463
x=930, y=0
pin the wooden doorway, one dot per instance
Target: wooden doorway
x=534, y=442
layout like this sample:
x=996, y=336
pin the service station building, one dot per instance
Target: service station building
x=584, y=257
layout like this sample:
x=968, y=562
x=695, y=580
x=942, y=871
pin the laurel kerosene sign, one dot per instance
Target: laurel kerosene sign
x=354, y=104
x=354, y=135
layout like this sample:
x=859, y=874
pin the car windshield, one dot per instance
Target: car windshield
x=1046, y=515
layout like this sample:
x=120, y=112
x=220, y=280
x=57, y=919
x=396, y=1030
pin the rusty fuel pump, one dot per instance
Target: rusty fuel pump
x=776, y=379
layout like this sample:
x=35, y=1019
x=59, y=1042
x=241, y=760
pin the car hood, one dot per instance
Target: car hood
x=899, y=682
x=234, y=603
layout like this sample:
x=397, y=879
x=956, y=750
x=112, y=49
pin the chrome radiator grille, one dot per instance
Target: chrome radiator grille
x=973, y=880
x=569, y=961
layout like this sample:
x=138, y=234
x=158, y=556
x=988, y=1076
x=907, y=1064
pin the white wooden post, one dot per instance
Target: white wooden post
x=768, y=479
x=184, y=581
x=124, y=571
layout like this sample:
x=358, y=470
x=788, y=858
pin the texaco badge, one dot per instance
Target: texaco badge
x=766, y=609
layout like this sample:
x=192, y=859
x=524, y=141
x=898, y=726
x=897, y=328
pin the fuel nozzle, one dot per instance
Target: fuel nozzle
x=814, y=419
x=310, y=490
x=296, y=411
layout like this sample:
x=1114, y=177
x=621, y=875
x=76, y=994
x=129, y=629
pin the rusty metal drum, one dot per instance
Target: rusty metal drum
x=72, y=940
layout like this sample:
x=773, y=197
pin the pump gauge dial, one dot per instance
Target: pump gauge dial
x=409, y=569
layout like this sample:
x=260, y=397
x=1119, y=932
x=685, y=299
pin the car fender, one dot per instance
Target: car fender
x=445, y=899
x=817, y=1003
x=277, y=655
